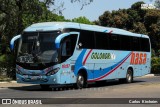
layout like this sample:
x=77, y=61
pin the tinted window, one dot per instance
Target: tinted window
x=135, y=41
x=101, y=40
x=125, y=43
x=87, y=39
x=145, y=44
x=114, y=42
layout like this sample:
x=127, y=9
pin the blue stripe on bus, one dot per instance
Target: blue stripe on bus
x=97, y=75
x=108, y=70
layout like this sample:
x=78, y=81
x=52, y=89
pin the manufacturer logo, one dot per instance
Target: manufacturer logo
x=138, y=58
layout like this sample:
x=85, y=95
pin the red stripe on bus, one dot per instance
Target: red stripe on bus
x=111, y=70
x=111, y=31
x=87, y=57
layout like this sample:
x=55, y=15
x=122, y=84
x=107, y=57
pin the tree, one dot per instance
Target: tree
x=151, y=17
x=15, y=15
x=157, y=4
x=154, y=34
x=135, y=20
x=120, y=18
x=139, y=27
x=83, y=2
x=82, y=19
x=115, y=19
x=106, y=19
x=137, y=6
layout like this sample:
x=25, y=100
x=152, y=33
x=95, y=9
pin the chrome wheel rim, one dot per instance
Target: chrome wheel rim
x=129, y=77
x=80, y=81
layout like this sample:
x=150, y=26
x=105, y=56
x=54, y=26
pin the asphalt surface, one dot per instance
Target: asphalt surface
x=144, y=87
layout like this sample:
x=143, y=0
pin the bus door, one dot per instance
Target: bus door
x=67, y=49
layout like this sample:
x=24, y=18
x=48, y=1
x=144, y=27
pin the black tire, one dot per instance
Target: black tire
x=44, y=86
x=129, y=76
x=81, y=81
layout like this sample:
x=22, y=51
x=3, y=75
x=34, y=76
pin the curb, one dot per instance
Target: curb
x=156, y=74
x=8, y=82
x=151, y=75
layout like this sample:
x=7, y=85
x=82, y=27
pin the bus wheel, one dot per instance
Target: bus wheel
x=81, y=81
x=129, y=76
x=44, y=86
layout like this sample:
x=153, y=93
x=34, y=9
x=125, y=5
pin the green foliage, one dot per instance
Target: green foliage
x=83, y=20
x=137, y=5
x=153, y=53
x=157, y=3
x=155, y=65
x=139, y=27
x=135, y=20
x=15, y=15
x=7, y=65
x=2, y=58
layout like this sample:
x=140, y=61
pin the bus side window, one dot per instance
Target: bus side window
x=136, y=44
x=102, y=40
x=114, y=42
x=87, y=39
x=125, y=43
x=145, y=45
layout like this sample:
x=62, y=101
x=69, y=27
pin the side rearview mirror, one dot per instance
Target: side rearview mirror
x=79, y=46
x=13, y=40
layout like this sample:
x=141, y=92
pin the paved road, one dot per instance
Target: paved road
x=146, y=87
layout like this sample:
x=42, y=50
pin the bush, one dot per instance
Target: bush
x=153, y=53
x=155, y=64
x=7, y=67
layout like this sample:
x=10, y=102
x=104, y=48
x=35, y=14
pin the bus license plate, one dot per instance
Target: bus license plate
x=35, y=77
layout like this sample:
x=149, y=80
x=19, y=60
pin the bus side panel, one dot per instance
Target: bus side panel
x=108, y=64
x=65, y=72
x=141, y=63
x=147, y=67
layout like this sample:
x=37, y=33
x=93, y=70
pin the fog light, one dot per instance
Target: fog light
x=54, y=79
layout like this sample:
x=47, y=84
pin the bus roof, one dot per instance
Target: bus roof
x=49, y=26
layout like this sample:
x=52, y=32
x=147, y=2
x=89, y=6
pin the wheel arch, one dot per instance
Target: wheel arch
x=83, y=71
x=131, y=68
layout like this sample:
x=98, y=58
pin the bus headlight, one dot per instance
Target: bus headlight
x=52, y=72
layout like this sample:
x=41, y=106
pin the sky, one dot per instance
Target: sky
x=96, y=8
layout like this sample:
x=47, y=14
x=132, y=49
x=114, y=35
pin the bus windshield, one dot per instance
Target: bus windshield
x=38, y=47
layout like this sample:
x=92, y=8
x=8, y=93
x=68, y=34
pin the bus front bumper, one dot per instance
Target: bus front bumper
x=36, y=79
